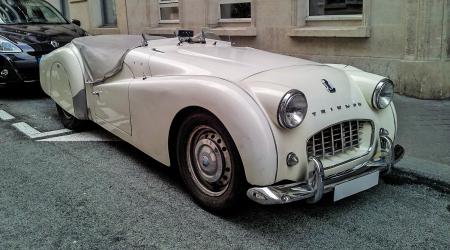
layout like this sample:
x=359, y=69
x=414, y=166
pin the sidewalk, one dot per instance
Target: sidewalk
x=424, y=132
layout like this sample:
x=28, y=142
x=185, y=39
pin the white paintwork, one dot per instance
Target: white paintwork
x=108, y=108
x=240, y=86
x=5, y=116
x=33, y=133
x=26, y=129
x=52, y=133
x=65, y=81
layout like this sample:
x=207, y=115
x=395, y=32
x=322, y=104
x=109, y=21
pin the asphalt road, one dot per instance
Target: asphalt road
x=88, y=195
x=427, y=122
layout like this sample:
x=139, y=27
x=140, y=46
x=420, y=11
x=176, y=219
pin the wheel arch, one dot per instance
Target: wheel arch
x=62, y=78
x=175, y=128
x=236, y=109
x=176, y=124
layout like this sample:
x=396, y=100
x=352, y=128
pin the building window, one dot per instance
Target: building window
x=335, y=7
x=109, y=17
x=332, y=18
x=169, y=11
x=235, y=10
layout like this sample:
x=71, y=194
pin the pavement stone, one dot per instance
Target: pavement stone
x=424, y=131
x=422, y=171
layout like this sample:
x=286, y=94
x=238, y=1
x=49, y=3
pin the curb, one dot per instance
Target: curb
x=420, y=171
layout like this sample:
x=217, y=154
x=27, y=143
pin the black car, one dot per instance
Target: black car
x=30, y=29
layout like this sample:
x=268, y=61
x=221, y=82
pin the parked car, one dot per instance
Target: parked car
x=28, y=30
x=235, y=121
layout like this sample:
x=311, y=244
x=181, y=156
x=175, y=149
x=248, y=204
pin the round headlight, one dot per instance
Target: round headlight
x=383, y=94
x=292, y=109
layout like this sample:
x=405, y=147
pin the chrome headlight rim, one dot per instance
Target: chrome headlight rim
x=377, y=94
x=284, y=103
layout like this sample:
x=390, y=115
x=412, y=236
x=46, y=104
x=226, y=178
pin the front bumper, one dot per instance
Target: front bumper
x=18, y=68
x=316, y=185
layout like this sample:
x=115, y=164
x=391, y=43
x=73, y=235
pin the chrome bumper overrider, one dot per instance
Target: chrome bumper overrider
x=316, y=185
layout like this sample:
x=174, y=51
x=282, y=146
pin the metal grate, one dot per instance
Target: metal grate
x=336, y=139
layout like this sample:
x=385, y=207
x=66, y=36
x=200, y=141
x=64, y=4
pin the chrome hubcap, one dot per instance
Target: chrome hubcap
x=209, y=161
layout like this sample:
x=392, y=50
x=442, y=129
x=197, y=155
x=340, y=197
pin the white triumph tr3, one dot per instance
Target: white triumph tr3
x=235, y=121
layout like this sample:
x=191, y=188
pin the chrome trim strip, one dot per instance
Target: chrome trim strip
x=351, y=133
x=316, y=185
x=314, y=146
x=330, y=187
x=284, y=103
x=333, y=151
x=371, y=145
x=312, y=189
x=376, y=93
x=323, y=143
x=394, y=117
x=342, y=136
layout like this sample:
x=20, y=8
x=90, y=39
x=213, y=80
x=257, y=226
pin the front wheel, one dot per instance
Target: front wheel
x=68, y=120
x=209, y=163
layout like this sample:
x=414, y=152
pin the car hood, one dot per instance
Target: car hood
x=256, y=70
x=343, y=102
x=231, y=63
x=38, y=35
x=321, y=82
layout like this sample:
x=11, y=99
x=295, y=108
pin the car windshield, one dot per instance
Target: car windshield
x=29, y=12
x=207, y=35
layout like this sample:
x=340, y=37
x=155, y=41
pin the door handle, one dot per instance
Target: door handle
x=97, y=93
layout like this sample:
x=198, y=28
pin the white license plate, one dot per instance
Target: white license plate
x=355, y=186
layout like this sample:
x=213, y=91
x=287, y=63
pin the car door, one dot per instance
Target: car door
x=111, y=104
x=111, y=98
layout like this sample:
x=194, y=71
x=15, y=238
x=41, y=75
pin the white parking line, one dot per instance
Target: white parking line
x=26, y=129
x=34, y=133
x=54, y=133
x=5, y=116
x=58, y=135
x=95, y=136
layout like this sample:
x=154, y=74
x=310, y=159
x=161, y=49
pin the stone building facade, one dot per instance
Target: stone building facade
x=407, y=40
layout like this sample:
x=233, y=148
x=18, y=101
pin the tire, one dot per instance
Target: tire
x=209, y=164
x=69, y=121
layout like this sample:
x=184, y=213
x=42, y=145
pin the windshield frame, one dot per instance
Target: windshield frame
x=47, y=5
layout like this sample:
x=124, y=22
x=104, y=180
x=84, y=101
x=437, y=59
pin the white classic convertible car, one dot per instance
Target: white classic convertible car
x=235, y=121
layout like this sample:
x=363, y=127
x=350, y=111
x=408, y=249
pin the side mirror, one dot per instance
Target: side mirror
x=76, y=22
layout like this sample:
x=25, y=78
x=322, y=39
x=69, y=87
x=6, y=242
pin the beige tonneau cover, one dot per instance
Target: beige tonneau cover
x=103, y=55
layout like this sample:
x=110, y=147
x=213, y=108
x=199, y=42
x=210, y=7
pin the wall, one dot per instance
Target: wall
x=89, y=13
x=406, y=40
x=63, y=8
x=55, y=3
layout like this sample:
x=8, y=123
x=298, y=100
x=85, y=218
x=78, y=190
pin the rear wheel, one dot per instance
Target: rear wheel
x=209, y=163
x=68, y=120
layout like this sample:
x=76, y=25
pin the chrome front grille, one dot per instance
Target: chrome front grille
x=336, y=139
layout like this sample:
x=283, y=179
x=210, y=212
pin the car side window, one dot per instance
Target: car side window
x=42, y=14
x=29, y=12
x=9, y=15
